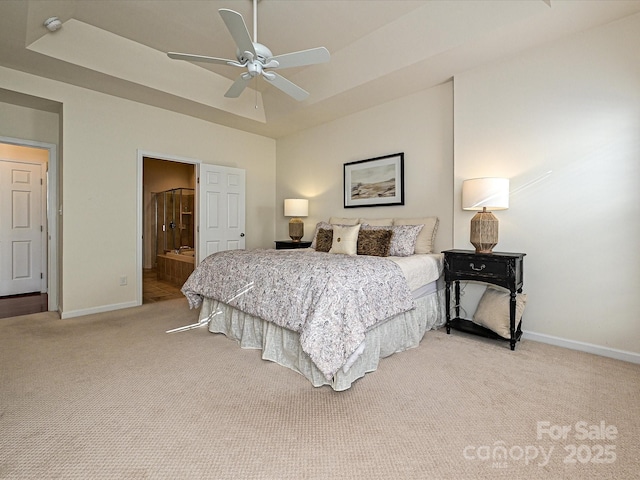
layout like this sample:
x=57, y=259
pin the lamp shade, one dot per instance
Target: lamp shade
x=485, y=193
x=296, y=207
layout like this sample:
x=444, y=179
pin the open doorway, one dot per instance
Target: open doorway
x=28, y=226
x=169, y=227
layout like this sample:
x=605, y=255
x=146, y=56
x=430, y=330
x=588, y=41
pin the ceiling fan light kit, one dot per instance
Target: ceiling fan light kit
x=257, y=58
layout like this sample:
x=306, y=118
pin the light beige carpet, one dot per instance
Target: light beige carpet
x=112, y=396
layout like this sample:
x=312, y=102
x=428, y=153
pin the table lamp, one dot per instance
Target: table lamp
x=296, y=208
x=483, y=195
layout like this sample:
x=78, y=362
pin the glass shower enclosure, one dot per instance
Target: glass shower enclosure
x=174, y=220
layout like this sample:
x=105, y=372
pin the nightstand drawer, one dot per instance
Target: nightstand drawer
x=502, y=269
x=479, y=266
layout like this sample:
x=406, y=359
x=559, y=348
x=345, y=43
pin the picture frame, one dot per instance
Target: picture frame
x=374, y=182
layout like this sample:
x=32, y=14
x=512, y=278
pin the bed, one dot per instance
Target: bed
x=328, y=312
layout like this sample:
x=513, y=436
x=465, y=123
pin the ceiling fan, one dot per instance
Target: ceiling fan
x=257, y=58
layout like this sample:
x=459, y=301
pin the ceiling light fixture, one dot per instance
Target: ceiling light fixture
x=53, y=24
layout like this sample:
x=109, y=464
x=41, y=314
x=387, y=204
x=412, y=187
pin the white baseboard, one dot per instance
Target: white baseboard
x=91, y=311
x=583, y=347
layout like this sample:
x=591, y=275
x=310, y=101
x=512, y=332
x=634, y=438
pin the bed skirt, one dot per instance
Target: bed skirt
x=280, y=345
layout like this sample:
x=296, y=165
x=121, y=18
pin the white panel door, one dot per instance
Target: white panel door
x=222, y=209
x=21, y=228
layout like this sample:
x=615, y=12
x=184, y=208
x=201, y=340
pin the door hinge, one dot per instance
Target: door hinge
x=197, y=179
x=41, y=229
x=40, y=275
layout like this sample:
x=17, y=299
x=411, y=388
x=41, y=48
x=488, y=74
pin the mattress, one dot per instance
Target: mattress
x=420, y=269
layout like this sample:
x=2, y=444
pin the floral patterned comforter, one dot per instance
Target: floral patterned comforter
x=331, y=300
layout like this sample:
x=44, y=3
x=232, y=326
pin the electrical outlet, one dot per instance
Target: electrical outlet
x=123, y=280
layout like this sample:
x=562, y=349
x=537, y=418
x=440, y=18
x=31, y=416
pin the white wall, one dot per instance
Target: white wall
x=101, y=136
x=28, y=124
x=310, y=163
x=563, y=123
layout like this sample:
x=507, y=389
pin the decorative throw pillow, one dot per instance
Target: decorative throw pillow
x=345, y=239
x=427, y=236
x=374, y=242
x=324, y=239
x=403, y=241
x=343, y=221
x=493, y=311
x=319, y=225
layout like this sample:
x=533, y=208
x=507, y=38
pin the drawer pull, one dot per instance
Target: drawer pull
x=482, y=267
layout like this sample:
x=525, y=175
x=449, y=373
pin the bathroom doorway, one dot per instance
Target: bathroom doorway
x=169, y=213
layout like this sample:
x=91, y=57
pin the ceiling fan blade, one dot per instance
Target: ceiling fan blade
x=303, y=57
x=238, y=86
x=200, y=58
x=286, y=86
x=238, y=29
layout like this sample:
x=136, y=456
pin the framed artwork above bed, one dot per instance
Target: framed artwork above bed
x=374, y=182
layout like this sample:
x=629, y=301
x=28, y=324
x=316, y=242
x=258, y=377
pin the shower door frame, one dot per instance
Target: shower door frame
x=181, y=215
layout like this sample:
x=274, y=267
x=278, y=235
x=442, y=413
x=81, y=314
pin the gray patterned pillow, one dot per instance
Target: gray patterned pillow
x=324, y=239
x=374, y=242
x=427, y=236
x=403, y=241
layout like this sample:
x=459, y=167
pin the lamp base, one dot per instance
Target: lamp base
x=296, y=229
x=484, y=231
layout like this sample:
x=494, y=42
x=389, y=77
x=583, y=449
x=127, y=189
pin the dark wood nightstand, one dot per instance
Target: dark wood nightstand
x=289, y=244
x=498, y=268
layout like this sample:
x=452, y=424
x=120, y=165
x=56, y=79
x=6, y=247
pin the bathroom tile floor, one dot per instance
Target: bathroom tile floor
x=154, y=290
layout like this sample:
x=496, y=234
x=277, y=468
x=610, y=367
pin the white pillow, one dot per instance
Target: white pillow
x=378, y=222
x=343, y=221
x=493, y=311
x=345, y=239
x=427, y=236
